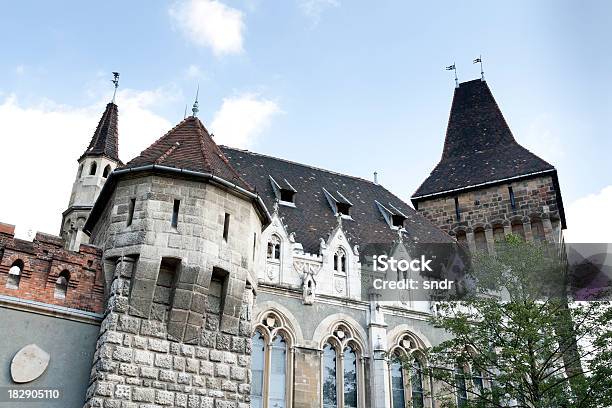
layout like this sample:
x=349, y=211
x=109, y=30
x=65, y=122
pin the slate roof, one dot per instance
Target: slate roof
x=105, y=140
x=312, y=218
x=189, y=146
x=479, y=146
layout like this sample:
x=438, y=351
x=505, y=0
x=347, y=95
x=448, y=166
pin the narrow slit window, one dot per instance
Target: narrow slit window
x=512, y=199
x=175, y=213
x=226, y=223
x=254, y=244
x=130, y=216
x=93, y=168
x=457, y=210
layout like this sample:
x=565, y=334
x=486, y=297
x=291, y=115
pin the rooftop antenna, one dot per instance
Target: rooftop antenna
x=195, y=109
x=476, y=61
x=115, y=81
x=185, y=114
x=454, y=68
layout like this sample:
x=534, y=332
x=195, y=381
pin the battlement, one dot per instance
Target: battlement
x=43, y=270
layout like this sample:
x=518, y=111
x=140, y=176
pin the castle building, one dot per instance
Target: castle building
x=205, y=276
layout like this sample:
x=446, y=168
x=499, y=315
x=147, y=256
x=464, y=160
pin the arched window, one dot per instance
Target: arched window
x=407, y=379
x=537, y=230
x=480, y=239
x=340, y=260
x=106, y=171
x=14, y=276
x=61, y=285
x=80, y=173
x=461, y=238
x=274, y=248
x=93, y=168
x=517, y=228
x=341, y=376
x=498, y=233
x=271, y=366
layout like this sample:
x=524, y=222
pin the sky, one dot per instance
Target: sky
x=350, y=86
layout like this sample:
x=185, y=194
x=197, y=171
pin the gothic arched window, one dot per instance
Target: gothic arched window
x=106, y=171
x=93, y=168
x=342, y=370
x=408, y=382
x=61, y=285
x=271, y=365
x=340, y=261
x=14, y=275
x=274, y=247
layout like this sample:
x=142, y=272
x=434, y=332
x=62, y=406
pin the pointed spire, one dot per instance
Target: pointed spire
x=105, y=140
x=195, y=109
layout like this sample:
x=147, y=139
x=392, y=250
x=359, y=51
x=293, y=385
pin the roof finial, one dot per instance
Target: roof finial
x=454, y=68
x=195, y=109
x=375, y=177
x=477, y=60
x=185, y=114
x=115, y=81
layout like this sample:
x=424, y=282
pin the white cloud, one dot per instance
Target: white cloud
x=242, y=118
x=210, y=23
x=194, y=71
x=588, y=218
x=314, y=8
x=42, y=143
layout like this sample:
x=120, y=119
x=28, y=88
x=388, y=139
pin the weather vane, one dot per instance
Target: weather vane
x=454, y=68
x=476, y=61
x=195, y=109
x=115, y=81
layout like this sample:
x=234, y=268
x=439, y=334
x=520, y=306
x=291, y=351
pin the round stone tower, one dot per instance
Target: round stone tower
x=179, y=230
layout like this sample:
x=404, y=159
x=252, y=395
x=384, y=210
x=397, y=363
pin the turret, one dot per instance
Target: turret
x=486, y=184
x=95, y=166
x=179, y=229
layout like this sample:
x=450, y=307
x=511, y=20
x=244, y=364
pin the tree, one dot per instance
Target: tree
x=515, y=340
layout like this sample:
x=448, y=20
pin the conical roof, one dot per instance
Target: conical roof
x=105, y=140
x=189, y=146
x=479, y=147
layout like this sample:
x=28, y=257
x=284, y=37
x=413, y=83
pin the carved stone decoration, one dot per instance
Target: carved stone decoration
x=29, y=363
x=308, y=289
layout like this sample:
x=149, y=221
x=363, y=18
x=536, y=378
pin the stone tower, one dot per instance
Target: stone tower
x=486, y=185
x=179, y=229
x=95, y=165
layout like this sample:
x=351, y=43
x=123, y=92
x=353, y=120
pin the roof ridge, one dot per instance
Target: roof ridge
x=199, y=127
x=301, y=164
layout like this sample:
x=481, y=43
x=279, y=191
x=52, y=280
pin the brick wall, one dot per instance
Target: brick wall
x=43, y=261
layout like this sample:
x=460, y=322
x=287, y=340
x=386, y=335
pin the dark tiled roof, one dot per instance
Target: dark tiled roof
x=479, y=146
x=189, y=146
x=312, y=218
x=105, y=140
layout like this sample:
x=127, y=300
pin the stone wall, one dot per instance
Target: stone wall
x=534, y=199
x=186, y=343
x=44, y=259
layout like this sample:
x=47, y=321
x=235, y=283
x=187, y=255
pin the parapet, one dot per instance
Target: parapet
x=44, y=271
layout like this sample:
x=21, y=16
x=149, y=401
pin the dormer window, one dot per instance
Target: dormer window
x=284, y=192
x=394, y=217
x=339, y=203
